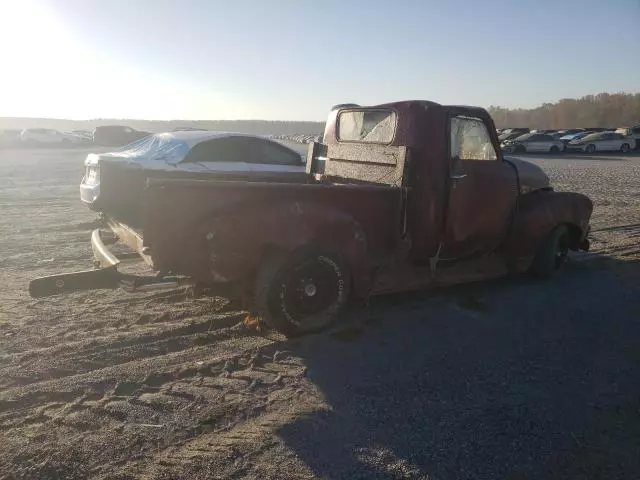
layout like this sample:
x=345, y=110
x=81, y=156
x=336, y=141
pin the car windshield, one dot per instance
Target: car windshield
x=594, y=136
x=524, y=137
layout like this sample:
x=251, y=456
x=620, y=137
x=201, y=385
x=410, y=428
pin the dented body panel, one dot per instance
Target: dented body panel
x=220, y=231
x=538, y=214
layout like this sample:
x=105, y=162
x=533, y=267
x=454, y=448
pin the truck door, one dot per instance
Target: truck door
x=482, y=195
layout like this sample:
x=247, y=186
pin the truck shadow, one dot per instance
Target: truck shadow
x=499, y=380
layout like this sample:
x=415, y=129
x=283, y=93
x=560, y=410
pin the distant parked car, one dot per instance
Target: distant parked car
x=509, y=136
x=541, y=130
x=116, y=135
x=565, y=132
x=189, y=129
x=573, y=136
x=631, y=132
x=533, y=142
x=520, y=130
x=9, y=137
x=86, y=134
x=602, y=142
x=48, y=136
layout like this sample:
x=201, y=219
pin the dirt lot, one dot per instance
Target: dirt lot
x=510, y=379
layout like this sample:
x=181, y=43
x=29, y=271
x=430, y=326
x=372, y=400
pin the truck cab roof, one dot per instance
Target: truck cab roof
x=413, y=120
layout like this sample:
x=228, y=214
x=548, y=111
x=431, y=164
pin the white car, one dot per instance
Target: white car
x=602, y=142
x=9, y=137
x=533, y=142
x=186, y=153
x=48, y=136
x=631, y=132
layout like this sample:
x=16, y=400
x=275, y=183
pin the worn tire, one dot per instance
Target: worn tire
x=625, y=148
x=302, y=292
x=590, y=148
x=552, y=254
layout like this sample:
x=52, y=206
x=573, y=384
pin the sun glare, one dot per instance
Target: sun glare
x=33, y=46
x=50, y=72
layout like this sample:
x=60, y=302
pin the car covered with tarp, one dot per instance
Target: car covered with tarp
x=114, y=181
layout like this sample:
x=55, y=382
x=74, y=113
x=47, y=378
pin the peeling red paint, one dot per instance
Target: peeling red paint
x=400, y=233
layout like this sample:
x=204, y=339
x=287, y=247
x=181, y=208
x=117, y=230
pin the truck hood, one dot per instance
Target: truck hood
x=531, y=176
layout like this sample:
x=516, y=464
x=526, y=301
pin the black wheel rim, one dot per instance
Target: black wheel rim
x=309, y=290
x=562, y=251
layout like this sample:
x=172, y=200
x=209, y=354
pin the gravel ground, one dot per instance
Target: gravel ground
x=508, y=379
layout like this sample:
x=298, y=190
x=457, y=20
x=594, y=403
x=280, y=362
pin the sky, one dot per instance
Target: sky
x=294, y=59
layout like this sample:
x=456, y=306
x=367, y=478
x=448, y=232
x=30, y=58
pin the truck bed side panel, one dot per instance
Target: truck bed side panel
x=217, y=231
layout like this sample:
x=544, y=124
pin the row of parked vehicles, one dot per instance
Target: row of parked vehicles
x=587, y=140
x=109, y=135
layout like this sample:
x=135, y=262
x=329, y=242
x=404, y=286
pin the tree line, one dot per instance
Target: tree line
x=601, y=110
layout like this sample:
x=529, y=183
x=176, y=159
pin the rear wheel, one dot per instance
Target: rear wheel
x=590, y=148
x=554, y=149
x=625, y=148
x=303, y=292
x=552, y=254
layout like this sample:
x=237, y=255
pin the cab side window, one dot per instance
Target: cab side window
x=470, y=139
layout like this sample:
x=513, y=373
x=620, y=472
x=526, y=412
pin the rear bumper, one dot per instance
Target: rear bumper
x=106, y=276
x=121, y=233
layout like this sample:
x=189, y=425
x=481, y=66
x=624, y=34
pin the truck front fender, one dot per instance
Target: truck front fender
x=233, y=244
x=538, y=214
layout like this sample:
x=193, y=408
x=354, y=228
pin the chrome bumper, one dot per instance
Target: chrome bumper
x=106, y=275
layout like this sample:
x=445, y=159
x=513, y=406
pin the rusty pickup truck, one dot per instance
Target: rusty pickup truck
x=400, y=196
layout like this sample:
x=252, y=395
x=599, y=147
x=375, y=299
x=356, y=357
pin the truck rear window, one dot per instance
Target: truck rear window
x=367, y=126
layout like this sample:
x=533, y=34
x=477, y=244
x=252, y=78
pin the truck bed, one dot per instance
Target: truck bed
x=187, y=222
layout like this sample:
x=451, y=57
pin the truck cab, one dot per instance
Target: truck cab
x=464, y=199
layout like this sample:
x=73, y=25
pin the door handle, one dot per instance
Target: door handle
x=458, y=176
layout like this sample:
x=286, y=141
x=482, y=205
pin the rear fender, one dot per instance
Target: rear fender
x=234, y=244
x=538, y=214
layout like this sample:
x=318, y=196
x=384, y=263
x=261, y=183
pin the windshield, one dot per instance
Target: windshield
x=524, y=137
x=367, y=126
x=593, y=136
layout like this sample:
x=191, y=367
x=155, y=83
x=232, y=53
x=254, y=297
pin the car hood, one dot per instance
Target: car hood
x=531, y=176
